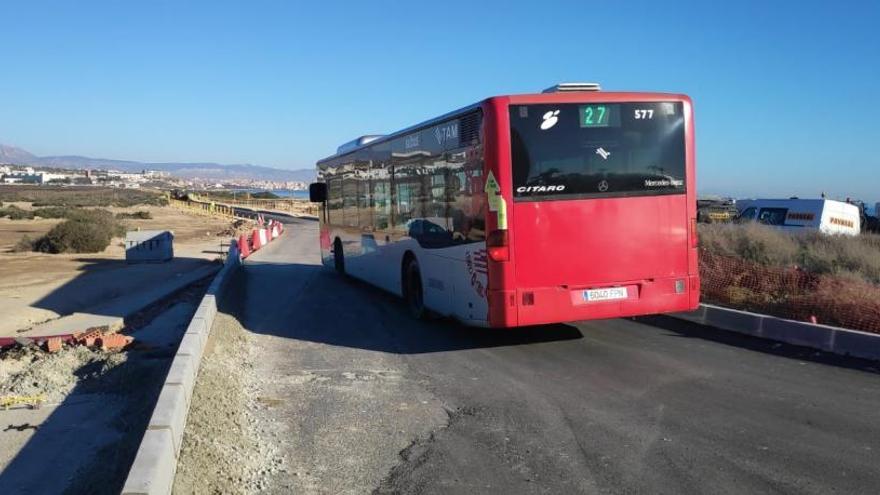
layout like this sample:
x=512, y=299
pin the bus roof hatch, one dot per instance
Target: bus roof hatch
x=573, y=86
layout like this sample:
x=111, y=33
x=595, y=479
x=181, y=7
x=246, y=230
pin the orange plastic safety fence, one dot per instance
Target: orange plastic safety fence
x=789, y=293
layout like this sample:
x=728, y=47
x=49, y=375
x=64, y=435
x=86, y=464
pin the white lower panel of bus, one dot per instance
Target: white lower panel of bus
x=454, y=279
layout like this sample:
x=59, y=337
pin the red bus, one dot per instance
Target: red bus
x=571, y=204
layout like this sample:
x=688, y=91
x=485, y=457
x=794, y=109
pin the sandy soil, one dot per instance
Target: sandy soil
x=223, y=449
x=33, y=285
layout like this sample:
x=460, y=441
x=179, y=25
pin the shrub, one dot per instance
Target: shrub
x=86, y=231
x=852, y=257
x=16, y=213
x=752, y=242
x=840, y=255
x=138, y=215
x=53, y=212
x=23, y=245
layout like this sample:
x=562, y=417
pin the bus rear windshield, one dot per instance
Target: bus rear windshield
x=587, y=150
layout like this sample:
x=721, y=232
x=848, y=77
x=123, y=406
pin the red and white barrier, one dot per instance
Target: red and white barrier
x=259, y=237
x=244, y=246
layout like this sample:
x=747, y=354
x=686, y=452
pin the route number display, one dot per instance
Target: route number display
x=599, y=115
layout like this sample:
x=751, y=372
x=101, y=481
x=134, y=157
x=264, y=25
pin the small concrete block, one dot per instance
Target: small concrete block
x=210, y=301
x=207, y=308
x=733, y=320
x=798, y=333
x=170, y=413
x=152, y=472
x=858, y=344
x=197, y=326
x=183, y=372
x=191, y=345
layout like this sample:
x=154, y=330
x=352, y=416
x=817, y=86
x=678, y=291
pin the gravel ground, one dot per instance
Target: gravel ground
x=223, y=447
x=31, y=371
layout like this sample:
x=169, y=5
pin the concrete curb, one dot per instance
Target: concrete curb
x=822, y=337
x=155, y=464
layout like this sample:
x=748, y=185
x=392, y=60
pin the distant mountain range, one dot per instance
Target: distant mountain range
x=18, y=156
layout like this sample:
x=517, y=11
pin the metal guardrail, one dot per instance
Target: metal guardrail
x=289, y=205
x=204, y=208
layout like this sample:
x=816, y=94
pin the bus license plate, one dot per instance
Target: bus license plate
x=609, y=294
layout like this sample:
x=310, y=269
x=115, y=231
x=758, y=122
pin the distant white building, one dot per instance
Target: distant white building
x=155, y=174
x=46, y=177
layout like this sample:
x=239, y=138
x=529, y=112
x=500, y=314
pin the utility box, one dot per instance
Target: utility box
x=149, y=246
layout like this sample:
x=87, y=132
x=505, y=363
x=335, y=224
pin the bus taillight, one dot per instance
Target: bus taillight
x=497, y=245
x=694, y=240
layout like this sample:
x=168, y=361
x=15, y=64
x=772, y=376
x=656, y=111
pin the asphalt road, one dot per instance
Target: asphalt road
x=366, y=399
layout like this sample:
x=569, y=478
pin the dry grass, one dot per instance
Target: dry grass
x=834, y=279
x=856, y=258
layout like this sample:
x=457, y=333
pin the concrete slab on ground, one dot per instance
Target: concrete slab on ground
x=113, y=313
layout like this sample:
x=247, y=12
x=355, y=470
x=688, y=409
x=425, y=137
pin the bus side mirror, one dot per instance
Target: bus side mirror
x=318, y=192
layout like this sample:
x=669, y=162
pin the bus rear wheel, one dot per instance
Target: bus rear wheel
x=338, y=257
x=413, y=290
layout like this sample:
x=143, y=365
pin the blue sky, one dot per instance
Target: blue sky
x=786, y=93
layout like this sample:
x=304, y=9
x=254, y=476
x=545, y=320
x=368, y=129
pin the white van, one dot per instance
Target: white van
x=825, y=215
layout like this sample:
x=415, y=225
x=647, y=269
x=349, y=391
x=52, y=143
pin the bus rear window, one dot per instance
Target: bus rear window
x=587, y=150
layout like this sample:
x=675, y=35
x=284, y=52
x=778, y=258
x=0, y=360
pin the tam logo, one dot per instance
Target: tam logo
x=550, y=119
x=446, y=132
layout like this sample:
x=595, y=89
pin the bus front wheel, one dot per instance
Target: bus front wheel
x=413, y=290
x=338, y=257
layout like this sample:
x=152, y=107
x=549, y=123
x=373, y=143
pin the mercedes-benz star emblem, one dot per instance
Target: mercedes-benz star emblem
x=603, y=186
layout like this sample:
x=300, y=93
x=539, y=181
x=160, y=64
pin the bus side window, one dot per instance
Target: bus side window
x=380, y=177
x=334, y=200
x=436, y=206
x=406, y=183
x=349, y=200
x=364, y=198
x=466, y=204
x=382, y=203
